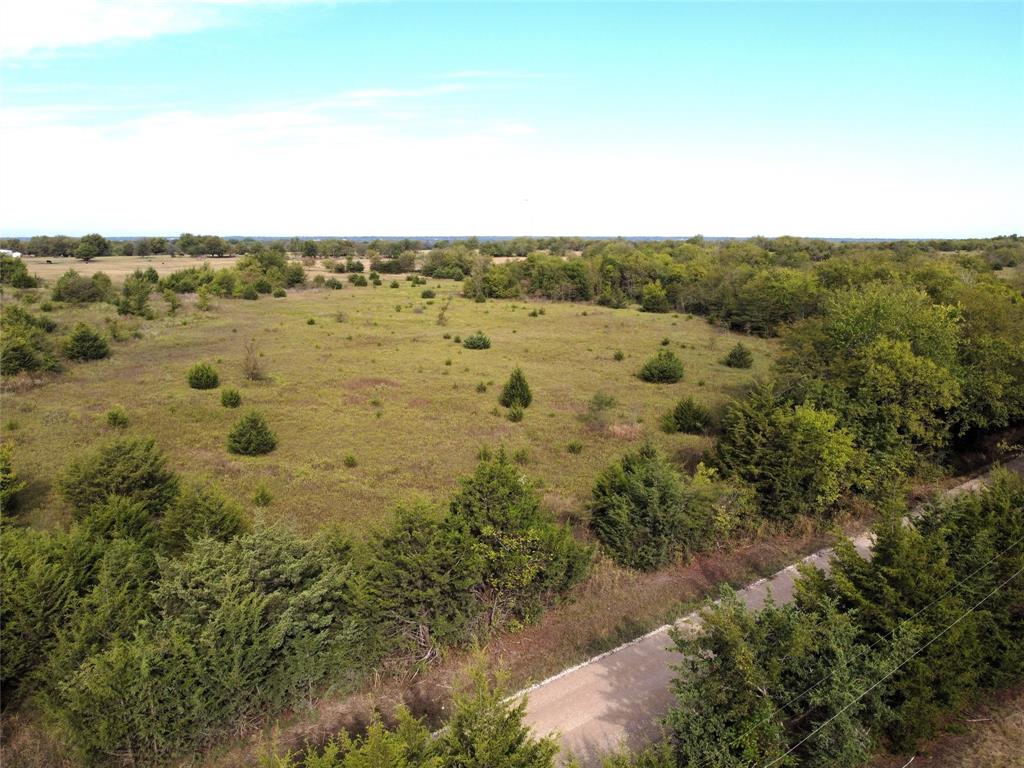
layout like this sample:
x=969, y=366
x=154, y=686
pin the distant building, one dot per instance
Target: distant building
x=6, y=252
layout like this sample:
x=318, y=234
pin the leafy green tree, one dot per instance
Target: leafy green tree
x=687, y=416
x=251, y=436
x=664, y=368
x=654, y=298
x=93, y=246
x=14, y=273
x=516, y=391
x=199, y=512
x=485, y=731
x=85, y=344
x=641, y=513
x=78, y=289
x=421, y=575
x=10, y=484
x=738, y=357
x=129, y=467
x=135, y=292
x=526, y=556
x=796, y=457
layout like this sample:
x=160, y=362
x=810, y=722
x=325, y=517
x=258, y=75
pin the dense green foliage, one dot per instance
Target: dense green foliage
x=688, y=416
x=160, y=619
x=129, y=467
x=78, y=289
x=85, y=344
x=876, y=652
x=14, y=272
x=739, y=357
x=251, y=436
x=230, y=397
x=646, y=515
x=516, y=391
x=478, y=340
x=484, y=731
x=796, y=457
x=203, y=376
x=25, y=342
x=9, y=482
x=664, y=368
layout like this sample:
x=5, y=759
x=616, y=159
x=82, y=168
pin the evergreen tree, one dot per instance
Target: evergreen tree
x=516, y=391
x=251, y=436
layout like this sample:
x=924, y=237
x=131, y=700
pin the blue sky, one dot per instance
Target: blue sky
x=827, y=119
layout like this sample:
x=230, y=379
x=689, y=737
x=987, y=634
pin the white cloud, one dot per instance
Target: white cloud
x=33, y=26
x=303, y=170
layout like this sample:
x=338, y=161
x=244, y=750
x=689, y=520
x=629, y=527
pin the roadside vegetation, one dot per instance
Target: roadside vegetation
x=643, y=403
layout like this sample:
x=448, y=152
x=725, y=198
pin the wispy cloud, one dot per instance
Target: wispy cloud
x=376, y=97
x=30, y=27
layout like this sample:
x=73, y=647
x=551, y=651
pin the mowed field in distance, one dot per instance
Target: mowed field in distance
x=372, y=377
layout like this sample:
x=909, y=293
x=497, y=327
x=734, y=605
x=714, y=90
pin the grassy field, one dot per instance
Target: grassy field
x=373, y=377
x=119, y=267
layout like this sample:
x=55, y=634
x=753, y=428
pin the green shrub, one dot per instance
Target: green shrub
x=14, y=273
x=200, y=512
x=394, y=284
x=428, y=294
x=478, y=340
x=575, y=447
x=249, y=293
x=516, y=391
x=279, y=293
x=664, y=368
x=85, y=344
x=251, y=436
x=481, y=387
x=357, y=280
x=527, y=557
x=350, y=460
x=78, y=289
x=117, y=417
x=135, y=292
x=130, y=467
x=738, y=357
x=654, y=298
x=641, y=514
x=25, y=344
x=515, y=413
x=262, y=497
x=796, y=457
x=238, y=651
x=203, y=376
x=619, y=356
x=311, y=321
x=230, y=398
x=688, y=416
x=10, y=485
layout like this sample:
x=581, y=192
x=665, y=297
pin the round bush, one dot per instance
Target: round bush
x=478, y=340
x=203, y=376
x=738, y=357
x=251, y=436
x=688, y=416
x=230, y=398
x=427, y=294
x=515, y=413
x=279, y=293
x=664, y=368
x=85, y=344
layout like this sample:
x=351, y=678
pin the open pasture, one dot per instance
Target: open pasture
x=373, y=378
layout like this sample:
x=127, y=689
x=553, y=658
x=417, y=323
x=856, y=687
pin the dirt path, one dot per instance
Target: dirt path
x=617, y=698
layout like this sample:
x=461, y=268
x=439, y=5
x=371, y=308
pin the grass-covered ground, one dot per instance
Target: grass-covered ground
x=372, y=377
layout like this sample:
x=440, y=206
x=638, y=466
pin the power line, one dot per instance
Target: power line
x=895, y=669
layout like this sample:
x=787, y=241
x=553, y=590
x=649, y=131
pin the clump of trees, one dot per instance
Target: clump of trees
x=25, y=342
x=874, y=653
x=74, y=288
x=646, y=515
x=159, y=619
